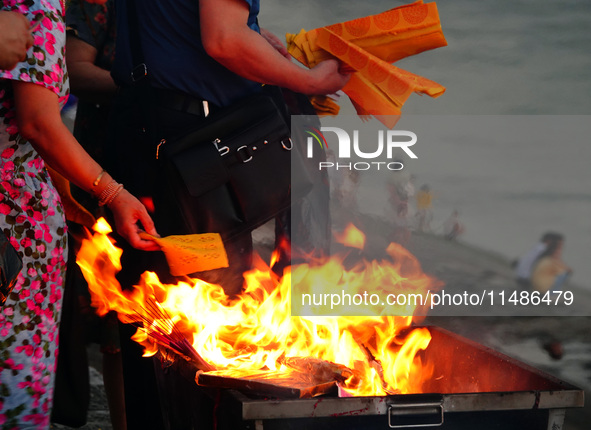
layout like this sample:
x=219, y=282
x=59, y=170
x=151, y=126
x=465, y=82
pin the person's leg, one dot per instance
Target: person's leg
x=72, y=387
x=127, y=159
x=142, y=403
x=559, y=282
x=113, y=380
x=113, y=369
x=184, y=405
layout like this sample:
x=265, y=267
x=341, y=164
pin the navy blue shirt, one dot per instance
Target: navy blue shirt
x=174, y=54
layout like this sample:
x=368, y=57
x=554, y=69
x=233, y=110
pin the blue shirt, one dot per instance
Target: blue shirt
x=174, y=54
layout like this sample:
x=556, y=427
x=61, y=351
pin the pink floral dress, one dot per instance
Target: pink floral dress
x=32, y=218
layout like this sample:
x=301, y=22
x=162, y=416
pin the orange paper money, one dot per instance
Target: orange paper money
x=369, y=45
x=186, y=254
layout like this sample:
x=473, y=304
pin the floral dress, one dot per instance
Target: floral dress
x=32, y=218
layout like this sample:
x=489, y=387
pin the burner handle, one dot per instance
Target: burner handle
x=407, y=415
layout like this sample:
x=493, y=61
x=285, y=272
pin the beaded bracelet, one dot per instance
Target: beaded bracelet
x=110, y=193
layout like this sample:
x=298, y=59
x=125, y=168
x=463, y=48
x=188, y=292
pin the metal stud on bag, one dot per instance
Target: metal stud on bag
x=285, y=146
x=223, y=150
x=243, y=150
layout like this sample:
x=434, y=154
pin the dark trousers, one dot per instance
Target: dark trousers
x=157, y=397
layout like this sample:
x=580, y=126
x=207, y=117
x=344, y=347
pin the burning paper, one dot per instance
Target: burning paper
x=255, y=332
x=191, y=253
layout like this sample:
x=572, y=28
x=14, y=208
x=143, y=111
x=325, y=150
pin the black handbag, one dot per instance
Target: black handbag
x=233, y=172
x=10, y=266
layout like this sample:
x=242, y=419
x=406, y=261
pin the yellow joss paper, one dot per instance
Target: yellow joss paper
x=192, y=253
x=324, y=105
x=368, y=46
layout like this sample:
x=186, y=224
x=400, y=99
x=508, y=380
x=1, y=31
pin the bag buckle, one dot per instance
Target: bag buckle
x=139, y=72
x=285, y=143
x=222, y=150
x=243, y=154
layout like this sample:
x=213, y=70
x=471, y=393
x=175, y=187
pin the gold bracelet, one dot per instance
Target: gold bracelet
x=98, y=178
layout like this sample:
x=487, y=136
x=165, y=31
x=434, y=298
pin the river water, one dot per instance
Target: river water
x=517, y=64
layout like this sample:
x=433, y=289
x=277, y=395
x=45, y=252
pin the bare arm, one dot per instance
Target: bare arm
x=228, y=39
x=39, y=121
x=276, y=43
x=15, y=39
x=87, y=80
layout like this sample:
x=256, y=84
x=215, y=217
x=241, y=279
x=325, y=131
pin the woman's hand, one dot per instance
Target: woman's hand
x=15, y=39
x=39, y=122
x=127, y=211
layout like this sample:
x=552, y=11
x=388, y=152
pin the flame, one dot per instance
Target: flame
x=256, y=332
x=351, y=237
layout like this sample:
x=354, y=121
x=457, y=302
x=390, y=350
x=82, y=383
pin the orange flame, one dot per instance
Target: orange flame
x=256, y=331
x=351, y=237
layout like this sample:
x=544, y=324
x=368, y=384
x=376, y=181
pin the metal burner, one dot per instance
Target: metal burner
x=473, y=387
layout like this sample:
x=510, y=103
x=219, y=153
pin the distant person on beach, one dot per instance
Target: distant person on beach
x=399, y=193
x=525, y=264
x=550, y=272
x=452, y=227
x=424, y=201
x=349, y=190
x=15, y=38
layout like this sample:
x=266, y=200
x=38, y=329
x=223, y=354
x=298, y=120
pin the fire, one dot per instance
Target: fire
x=352, y=237
x=256, y=331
